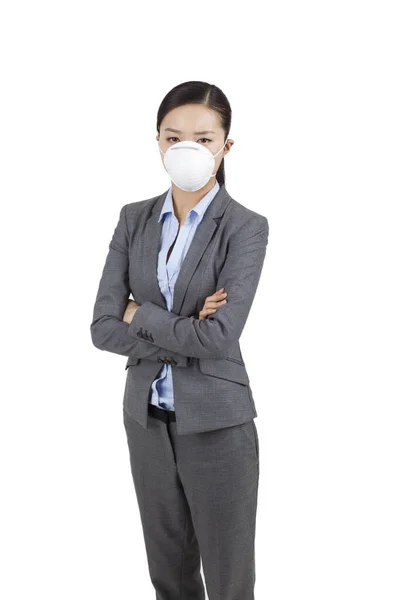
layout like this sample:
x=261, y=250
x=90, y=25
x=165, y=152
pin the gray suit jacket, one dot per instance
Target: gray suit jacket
x=211, y=384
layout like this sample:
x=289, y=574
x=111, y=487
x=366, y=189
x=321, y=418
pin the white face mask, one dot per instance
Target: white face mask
x=190, y=164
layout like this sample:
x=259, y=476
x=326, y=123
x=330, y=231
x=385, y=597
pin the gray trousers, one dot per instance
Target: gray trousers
x=197, y=498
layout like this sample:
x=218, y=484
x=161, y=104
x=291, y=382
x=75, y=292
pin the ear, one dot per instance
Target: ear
x=228, y=146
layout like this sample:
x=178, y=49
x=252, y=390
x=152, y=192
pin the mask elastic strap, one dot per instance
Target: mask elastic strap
x=213, y=174
x=222, y=147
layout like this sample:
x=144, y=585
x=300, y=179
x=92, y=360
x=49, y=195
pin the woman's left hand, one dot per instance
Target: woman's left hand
x=130, y=310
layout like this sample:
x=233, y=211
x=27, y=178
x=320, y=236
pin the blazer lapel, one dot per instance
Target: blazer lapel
x=151, y=243
x=198, y=246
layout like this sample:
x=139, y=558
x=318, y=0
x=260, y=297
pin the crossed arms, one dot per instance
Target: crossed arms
x=174, y=335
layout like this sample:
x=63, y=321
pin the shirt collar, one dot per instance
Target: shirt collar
x=200, y=207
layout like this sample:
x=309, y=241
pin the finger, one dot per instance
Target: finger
x=207, y=311
x=217, y=296
x=214, y=304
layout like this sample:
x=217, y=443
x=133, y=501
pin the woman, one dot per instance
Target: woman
x=192, y=259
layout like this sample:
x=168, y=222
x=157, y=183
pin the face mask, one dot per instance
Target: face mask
x=190, y=164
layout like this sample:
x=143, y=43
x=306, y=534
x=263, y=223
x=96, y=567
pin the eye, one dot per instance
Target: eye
x=173, y=138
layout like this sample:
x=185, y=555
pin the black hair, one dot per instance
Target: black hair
x=199, y=92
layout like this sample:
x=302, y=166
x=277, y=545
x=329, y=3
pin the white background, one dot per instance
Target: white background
x=314, y=88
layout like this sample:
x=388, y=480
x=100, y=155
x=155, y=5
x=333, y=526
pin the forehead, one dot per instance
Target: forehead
x=192, y=117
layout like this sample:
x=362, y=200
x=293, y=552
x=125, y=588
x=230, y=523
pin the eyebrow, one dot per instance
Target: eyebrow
x=196, y=132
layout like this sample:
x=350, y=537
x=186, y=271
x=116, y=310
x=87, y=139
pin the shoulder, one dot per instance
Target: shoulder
x=138, y=211
x=140, y=206
x=244, y=221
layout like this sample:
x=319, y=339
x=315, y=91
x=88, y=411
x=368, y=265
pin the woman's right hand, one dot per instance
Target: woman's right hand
x=212, y=303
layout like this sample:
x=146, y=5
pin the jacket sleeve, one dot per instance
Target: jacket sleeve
x=215, y=336
x=108, y=331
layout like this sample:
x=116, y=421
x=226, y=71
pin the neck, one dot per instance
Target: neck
x=183, y=201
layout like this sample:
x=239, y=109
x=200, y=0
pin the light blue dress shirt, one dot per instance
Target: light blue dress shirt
x=162, y=394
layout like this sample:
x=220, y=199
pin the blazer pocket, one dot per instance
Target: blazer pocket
x=224, y=369
x=132, y=360
x=236, y=360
